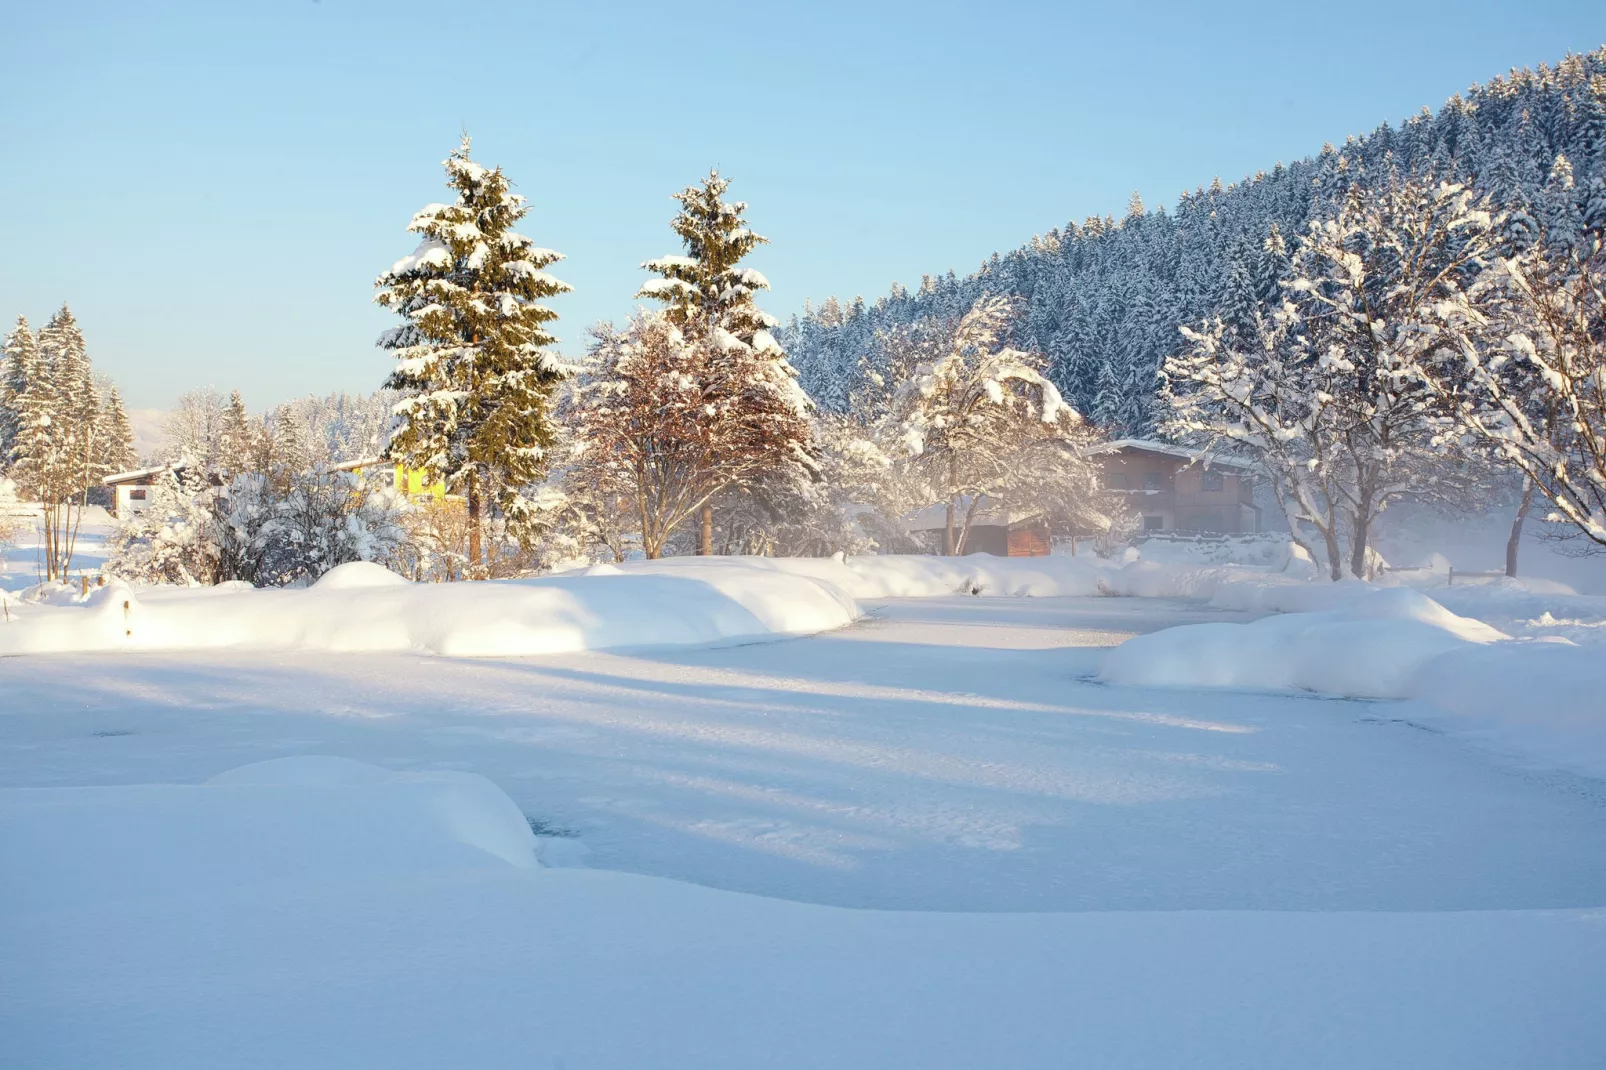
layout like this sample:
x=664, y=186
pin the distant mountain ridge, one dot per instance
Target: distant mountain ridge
x=1103, y=299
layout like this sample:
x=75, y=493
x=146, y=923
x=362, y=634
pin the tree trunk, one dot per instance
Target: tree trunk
x=1335, y=556
x=1361, y=537
x=705, y=537
x=948, y=546
x=473, y=569
x=1516, y=526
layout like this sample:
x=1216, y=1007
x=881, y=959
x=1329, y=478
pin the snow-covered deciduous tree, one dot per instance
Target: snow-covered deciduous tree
x=982, y=426
x=1325, y=395
x=473, y=366
x=193, y=431
x=1530, y=381
x=709, y=298
x=668, y=421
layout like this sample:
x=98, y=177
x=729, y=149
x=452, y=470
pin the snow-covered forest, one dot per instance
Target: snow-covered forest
x=1103, y=299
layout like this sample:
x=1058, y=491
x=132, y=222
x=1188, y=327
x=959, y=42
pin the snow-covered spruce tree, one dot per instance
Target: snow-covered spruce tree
x=20, y=354
x=472, y=359
x=982, y=426
x=1325, y=396
x=56, y=455
x=238, y=439
x=709, y=297
x=286, y=446
x=1530, y=381
x=117, y=436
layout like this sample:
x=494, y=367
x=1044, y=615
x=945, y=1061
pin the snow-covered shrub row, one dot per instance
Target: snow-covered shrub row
x=1542, y=699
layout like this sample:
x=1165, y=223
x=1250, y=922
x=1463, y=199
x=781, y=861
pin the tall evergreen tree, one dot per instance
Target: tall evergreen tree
x=709, y=296
x=21, y=353
x=706, y=288
x=56, y=455
x=117, y=437
x=237, y=439
x=472, y=359
x=1558, y=203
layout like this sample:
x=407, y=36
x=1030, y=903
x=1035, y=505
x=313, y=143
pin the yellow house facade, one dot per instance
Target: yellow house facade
x=409, y=481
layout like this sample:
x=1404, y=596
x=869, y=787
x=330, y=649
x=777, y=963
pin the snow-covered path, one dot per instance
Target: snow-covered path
x=945, y=754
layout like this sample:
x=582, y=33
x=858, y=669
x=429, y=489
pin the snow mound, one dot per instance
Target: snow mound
x=1541, y=700
x=1372, y=656
x=357, y=574
x=366, y=608
x=317, y=818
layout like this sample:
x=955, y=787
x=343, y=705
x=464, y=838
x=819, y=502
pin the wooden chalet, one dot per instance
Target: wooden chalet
x=1174, y=488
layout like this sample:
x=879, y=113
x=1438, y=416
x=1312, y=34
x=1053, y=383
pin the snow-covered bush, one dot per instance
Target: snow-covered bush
x=263, y=532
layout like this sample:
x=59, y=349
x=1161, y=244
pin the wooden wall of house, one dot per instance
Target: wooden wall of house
x=1180, y=495
x=986, y=539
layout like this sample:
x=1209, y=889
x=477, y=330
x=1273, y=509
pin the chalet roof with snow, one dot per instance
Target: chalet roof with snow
x=357, y=465
x=1185, y=453
x=142, y=475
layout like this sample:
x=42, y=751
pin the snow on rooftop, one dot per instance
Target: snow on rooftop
x=1149, y=445
x=139, y=474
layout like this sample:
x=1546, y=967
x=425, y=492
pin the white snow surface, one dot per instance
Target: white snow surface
x=1056, y=872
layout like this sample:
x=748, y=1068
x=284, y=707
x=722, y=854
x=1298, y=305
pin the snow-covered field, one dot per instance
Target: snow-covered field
x=924, y=835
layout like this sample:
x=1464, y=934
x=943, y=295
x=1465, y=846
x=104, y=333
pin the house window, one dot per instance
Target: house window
x=1152, y=480
x=136, y=494
x=1154, y=523
x=1212, y=481
x=1115, y=480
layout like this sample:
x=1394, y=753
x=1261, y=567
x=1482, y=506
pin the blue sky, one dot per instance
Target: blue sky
x=214, y=187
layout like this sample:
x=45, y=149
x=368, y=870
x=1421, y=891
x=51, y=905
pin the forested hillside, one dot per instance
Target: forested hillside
x=1103, y=299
